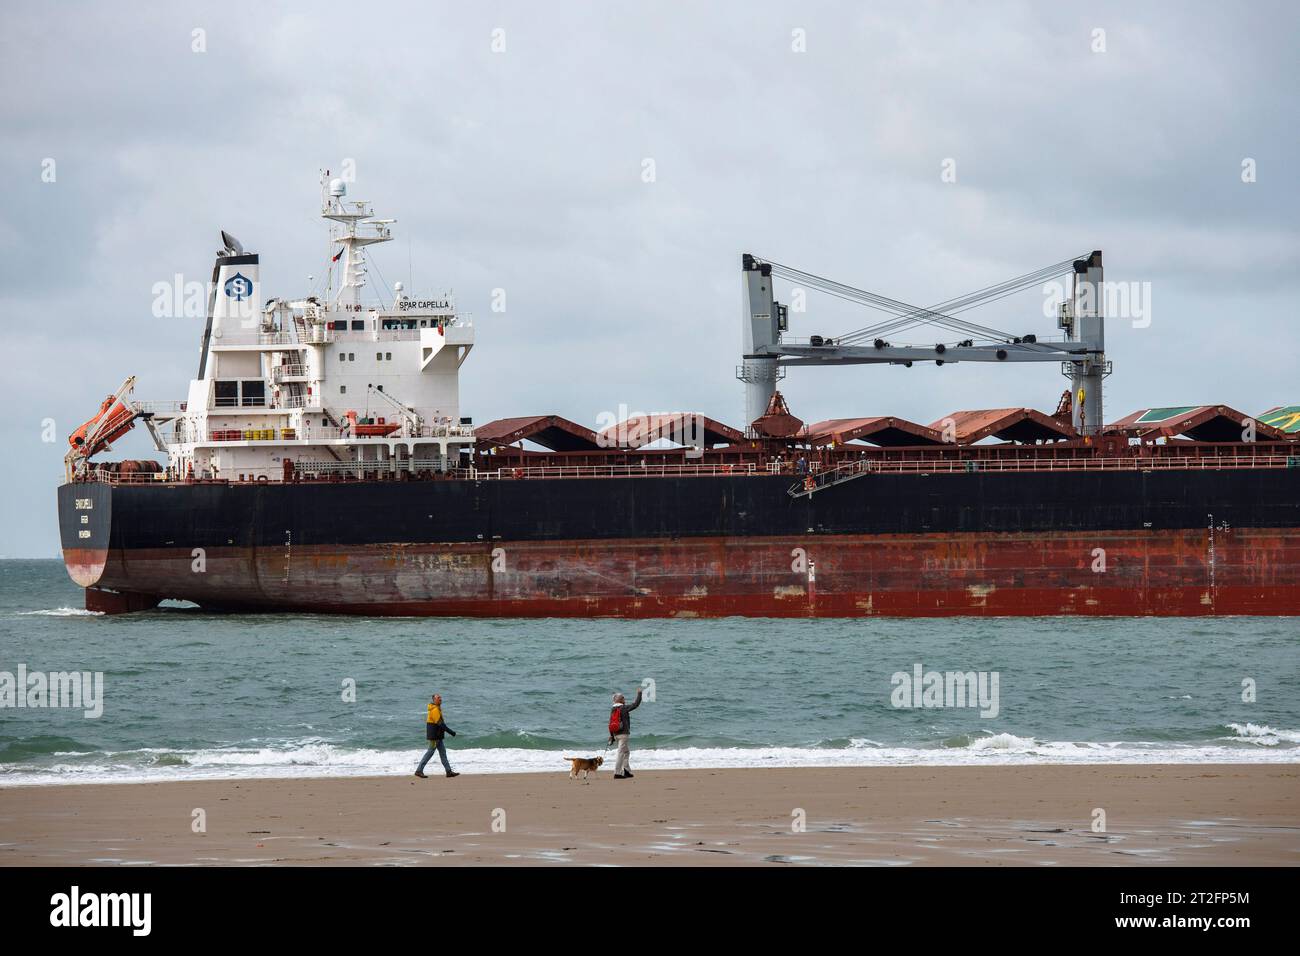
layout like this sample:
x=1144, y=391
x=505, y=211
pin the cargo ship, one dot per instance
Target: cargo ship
x=320, y=462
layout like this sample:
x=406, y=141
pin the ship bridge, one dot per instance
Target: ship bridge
x=324, y=383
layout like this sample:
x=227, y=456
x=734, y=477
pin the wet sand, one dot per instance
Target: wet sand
x=1003, y=816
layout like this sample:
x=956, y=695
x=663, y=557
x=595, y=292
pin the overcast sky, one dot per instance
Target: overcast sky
x=812, y=134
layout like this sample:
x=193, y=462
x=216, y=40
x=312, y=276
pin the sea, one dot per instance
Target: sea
x=189, y=695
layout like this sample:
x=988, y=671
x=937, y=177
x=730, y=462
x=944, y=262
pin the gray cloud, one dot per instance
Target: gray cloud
x=522, y=171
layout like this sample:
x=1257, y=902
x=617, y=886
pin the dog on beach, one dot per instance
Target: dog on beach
x=587, y=765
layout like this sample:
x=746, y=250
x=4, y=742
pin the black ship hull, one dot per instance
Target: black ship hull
x=1165, y=541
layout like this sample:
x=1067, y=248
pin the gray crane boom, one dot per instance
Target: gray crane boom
x=1082, y=354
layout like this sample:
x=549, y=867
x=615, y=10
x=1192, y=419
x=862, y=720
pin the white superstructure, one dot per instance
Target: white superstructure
x=328, y=383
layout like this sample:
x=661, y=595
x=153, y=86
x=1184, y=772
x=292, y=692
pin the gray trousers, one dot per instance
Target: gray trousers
x=620, y=764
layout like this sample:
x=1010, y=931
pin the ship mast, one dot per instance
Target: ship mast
x=350, y=215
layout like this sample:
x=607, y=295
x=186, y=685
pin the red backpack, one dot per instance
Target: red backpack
x=616, y=720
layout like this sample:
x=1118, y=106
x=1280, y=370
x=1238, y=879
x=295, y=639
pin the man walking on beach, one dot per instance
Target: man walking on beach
x=620, y=729
x=434, y=729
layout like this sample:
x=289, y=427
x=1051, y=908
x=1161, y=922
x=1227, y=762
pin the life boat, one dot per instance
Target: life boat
x=376, y=430
x=371, y=429
x=111, y=422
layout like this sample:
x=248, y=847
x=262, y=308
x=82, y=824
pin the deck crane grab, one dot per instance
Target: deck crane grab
x=1081, y=353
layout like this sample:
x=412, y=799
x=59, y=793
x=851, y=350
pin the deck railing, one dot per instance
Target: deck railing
x=1126, y=463
x=160, y=408
x=290, y=370
x=864, y=469
x=180, y=431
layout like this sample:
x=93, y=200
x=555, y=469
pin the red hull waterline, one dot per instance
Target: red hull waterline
x=1122, y=573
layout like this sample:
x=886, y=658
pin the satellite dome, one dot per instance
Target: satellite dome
x=338, y=187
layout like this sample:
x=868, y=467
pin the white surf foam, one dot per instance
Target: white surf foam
x=1007, y=742
x=62, y=612
x=314, y=757
x=1263, y=735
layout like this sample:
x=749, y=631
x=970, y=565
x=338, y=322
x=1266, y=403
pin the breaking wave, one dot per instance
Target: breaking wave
x=317, y=757
x=1263, y=735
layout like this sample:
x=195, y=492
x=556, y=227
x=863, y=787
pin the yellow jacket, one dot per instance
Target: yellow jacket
x=435, y=714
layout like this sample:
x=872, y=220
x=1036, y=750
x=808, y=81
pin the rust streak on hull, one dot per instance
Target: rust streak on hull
x=1255, y=571
x=85, y=565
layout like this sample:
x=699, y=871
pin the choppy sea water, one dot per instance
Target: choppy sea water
x=191, y=695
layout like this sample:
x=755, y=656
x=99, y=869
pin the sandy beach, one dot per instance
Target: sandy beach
x=1197, y=815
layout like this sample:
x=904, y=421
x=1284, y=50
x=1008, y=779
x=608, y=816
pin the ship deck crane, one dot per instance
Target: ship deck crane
x=1081, y=353
x=414, y=422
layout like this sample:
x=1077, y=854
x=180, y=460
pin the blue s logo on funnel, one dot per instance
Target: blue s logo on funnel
x=239, y=287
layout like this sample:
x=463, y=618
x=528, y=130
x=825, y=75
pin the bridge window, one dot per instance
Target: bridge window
x=358, y=325
x=252, y=392
x=227, y=394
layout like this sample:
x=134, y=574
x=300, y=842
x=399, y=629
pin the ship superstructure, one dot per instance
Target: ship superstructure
x=321, y=383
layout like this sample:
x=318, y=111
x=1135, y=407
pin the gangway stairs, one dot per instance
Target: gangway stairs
x=814, y=483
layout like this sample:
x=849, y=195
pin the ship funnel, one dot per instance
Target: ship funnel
x=233, y=295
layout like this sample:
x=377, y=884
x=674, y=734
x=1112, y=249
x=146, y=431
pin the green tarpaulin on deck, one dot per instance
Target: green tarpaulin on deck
x=1286, y=418
x=1153, y=415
